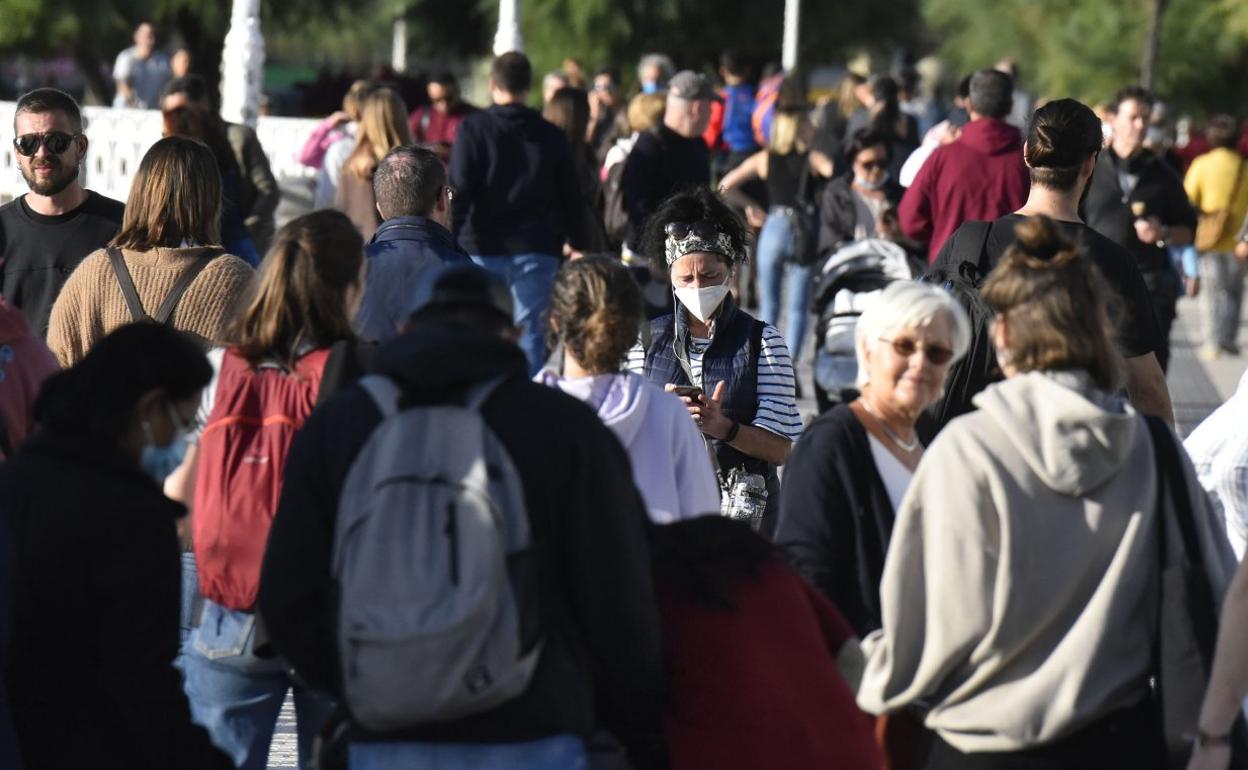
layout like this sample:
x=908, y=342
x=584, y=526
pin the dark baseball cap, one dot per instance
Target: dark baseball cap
x=463, y=285
x=693, y=86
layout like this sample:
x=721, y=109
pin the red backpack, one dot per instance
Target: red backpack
x=242, y=452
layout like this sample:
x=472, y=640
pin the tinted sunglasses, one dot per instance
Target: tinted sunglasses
x=681, y=230
x=935, y=354
x=872, y=165
x=57, y=142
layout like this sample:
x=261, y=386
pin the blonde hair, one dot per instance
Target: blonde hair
x=786, y=130
x=645, y=111
x=383, y=126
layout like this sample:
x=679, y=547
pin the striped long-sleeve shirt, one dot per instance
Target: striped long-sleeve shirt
x=777, y=400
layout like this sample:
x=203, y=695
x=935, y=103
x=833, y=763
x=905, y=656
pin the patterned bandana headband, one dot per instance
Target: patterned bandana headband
x=677, y=248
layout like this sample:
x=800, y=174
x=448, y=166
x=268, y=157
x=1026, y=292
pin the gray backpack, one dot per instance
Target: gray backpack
x=435, y=616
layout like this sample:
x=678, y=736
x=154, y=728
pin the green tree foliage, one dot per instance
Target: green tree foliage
x=1089, y=48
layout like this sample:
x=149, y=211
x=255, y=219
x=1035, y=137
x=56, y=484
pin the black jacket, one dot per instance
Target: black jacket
x=838, y=214
x=661, y=163
x=516, y=190
x=602, y=649
x=96, y=597
x=835, y=516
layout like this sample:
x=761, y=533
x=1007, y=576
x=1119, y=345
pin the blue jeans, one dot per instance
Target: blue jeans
x=530, y=278
x=775, y=257
x=237, y=697
x=562, y=752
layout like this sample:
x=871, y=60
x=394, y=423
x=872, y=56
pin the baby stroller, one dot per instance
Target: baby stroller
x=850, y=280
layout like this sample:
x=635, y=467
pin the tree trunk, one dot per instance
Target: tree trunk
x=1152, y=44
x=98, y=89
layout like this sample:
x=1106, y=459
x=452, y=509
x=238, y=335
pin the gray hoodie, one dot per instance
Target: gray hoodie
x=1019, y=595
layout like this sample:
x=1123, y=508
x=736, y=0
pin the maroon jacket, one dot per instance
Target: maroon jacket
x=981, y=176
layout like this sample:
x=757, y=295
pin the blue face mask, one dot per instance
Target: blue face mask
x=649, y=88
x=160, y=461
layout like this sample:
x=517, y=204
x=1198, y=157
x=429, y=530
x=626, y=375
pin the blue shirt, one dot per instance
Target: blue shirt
x=738, y=116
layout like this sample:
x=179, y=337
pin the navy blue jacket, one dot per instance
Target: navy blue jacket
x=516, y=190
x=401, y=252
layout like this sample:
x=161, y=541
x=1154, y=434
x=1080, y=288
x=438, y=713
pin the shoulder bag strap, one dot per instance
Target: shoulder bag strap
x=126, y=282
x=165, y=311
x=1172, y=486
x=756, y=350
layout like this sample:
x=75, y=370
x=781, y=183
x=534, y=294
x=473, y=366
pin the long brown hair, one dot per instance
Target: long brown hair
x=1057, y=305
x=175, y=197
x=383, y=126
x=301, y=295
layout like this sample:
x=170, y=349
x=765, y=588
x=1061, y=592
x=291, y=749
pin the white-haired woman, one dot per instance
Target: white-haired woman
x=847, y=475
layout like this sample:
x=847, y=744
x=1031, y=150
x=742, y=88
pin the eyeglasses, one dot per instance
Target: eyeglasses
x=871, y=165
x=57, y=142
x=935, y=354
x=681, y=230
x=450, y=192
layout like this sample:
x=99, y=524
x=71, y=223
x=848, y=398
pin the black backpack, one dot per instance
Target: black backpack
x=962, y=275
x=614, y=215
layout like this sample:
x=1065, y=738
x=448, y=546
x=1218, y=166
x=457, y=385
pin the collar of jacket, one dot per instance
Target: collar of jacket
x=414, y=229
x=111, y=459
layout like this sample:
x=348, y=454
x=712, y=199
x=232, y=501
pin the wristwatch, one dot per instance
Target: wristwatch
x=1203, y=740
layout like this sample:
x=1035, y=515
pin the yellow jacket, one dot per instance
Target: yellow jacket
x=1209, y=183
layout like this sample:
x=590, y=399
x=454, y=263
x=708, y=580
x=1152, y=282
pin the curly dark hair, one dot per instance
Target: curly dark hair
x=695, y=205
x=597, y=307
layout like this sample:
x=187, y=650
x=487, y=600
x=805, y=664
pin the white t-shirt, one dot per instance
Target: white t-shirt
x=895, y=475
x=777, y=398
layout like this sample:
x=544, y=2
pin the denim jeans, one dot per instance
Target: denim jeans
x=561, y=752
x=530, y=278
x=1221, y=299
x=237, y=697
x=775, y=258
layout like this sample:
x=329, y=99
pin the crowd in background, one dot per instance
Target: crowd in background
x=481, y=460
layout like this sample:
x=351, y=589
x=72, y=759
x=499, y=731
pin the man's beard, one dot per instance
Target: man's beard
x=63, y=177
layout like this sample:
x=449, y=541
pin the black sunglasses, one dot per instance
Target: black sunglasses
x=681, y=230
x=872, y=165
x=57, y=142
x=935, y=354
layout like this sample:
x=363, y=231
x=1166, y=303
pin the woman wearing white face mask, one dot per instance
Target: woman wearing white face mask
x=733, y=372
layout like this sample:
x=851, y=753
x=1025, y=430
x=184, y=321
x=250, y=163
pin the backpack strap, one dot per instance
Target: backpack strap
x=479, y=393
x=385, y=393
x=126, y=282
x=188, y=276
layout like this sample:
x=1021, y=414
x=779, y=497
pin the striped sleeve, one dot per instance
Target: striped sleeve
x=777, y=398
x=636, y=360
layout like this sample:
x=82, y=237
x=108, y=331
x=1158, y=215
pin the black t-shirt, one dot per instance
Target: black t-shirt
x=40, y=251
x=1142, y=179
x=661, y=163
x=1135, y=321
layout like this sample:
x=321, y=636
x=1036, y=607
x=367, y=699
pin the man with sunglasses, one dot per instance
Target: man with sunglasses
x=45, y=233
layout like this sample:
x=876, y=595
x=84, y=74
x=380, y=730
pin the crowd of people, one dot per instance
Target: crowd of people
x=488, y=462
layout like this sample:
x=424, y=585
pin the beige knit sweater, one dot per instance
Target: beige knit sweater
x=91, y=304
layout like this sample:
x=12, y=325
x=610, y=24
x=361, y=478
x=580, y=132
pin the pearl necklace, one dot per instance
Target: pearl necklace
x=911, y=447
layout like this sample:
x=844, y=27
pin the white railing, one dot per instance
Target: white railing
x=120, y=137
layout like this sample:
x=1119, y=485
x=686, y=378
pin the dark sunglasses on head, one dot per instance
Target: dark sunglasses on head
x=57, y=142
x=681, y=230
x=935, y=354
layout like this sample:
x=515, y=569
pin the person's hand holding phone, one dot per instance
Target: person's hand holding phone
x=704, y=411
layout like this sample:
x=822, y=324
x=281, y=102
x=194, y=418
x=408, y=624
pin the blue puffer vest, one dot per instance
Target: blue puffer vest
x=732, y=358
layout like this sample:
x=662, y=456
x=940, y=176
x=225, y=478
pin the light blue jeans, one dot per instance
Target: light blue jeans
x=237, y=697
x=530, y=278
x=775, y=250
x=561, y=752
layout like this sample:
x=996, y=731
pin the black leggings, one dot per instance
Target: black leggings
x=1126, y=740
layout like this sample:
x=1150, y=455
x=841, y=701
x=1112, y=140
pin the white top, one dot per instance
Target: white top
x=1219, y=450
x=777, y=398
x=893, y=473
x=331, y=172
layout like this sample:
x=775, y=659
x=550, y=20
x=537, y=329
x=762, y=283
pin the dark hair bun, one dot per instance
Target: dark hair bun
x=1062, y=134
x=1039, y=238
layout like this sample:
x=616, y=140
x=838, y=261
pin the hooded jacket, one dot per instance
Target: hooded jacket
x=1020, y=591
x=600, y=664
x=516, y=190
x=979, y=177
x=671, y=463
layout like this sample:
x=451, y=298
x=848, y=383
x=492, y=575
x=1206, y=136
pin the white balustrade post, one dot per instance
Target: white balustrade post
x=242, y=65
x=398, y=50
x=508, y=37
x=792, y=27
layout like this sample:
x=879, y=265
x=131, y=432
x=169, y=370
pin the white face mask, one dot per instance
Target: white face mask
x=702, y=302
